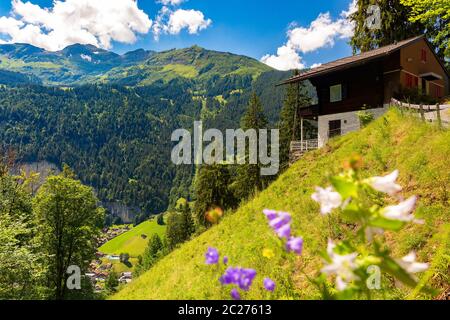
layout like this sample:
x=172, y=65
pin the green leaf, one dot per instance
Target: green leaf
x=345, y=187
x=353, y=213
x=393, y=268
x=387, y=224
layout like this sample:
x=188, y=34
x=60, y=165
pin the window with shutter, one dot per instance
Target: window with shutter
x=423, y=55
x=409, y=80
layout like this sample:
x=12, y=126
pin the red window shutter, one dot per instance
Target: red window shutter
x=408, y=80
x=438, y=92
x=423, y=55
x=416, y=81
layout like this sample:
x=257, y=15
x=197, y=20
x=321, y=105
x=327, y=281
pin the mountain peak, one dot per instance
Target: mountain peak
x=138, y=54
x=84, y=49
x=20, y=50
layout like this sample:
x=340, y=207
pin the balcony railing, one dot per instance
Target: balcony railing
x=305, y=145
x=298, y=148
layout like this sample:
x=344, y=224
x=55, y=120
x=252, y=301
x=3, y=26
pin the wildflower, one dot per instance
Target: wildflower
x=235, y=294
x=279, y=222
x=295, y=245
x=225, y=260
x=231, y=276
x=342, y=266
x=214, y=215
x=282, y=219
x=402, y=212
x=270, y=214
x=212, y=256
x=284, y=231
x=354, y=163
x=246, y=279
x=410, y=265
x=238, y=276
x=327, y=198
x=269, y=284
x=386, y=184
x=267, y=253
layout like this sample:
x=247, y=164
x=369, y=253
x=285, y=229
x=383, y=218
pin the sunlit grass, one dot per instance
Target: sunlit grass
x=132, y=241
x=420, y=151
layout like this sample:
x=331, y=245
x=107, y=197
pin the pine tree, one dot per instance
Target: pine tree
x=152, y=253
x=289, y=125
x=248, y=176
x=186, y=213
x=212, y=190
x=395, y=25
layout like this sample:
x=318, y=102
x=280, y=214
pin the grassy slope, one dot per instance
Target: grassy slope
x=131, y=242
x=419, y=150
x=193, y=62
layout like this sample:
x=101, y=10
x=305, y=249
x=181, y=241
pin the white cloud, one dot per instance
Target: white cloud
x=285, y=59
x=315, y=65
x=173, y=22
x=96, y=22
x=322, y=32
x=192, y=20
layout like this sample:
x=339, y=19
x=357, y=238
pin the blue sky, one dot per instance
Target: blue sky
x=250, y=27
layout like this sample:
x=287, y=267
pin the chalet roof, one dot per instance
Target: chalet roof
x=352, y=61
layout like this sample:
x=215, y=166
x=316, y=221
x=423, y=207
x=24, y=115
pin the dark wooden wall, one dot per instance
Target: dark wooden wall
x=364, y=88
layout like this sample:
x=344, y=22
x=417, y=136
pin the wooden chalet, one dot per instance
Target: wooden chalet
x=368, y=81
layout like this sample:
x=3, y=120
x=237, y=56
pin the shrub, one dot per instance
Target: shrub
x=365, y=117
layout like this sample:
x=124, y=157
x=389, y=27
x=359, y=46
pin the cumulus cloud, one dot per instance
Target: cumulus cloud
x=322, y=32
x=285, y=59
x=75, y=21
x=192, y=20
x=98, y=22
x=171, y=21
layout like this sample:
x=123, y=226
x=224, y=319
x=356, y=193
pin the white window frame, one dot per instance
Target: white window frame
x=336, y=93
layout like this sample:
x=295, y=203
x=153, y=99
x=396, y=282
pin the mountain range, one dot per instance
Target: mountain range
x=80, y=64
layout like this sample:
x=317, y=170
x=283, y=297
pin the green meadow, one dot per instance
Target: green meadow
x=133, y=242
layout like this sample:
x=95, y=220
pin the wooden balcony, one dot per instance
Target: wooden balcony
x=298, y=148
x=309, y=112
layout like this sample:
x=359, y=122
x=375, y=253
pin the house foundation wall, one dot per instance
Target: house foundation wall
x=349, y=122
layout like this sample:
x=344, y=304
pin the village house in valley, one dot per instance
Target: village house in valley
x=368, y=81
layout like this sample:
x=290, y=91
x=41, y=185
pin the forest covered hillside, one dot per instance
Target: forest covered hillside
x=118, y=139
x=110, y=116
x=245, y=238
